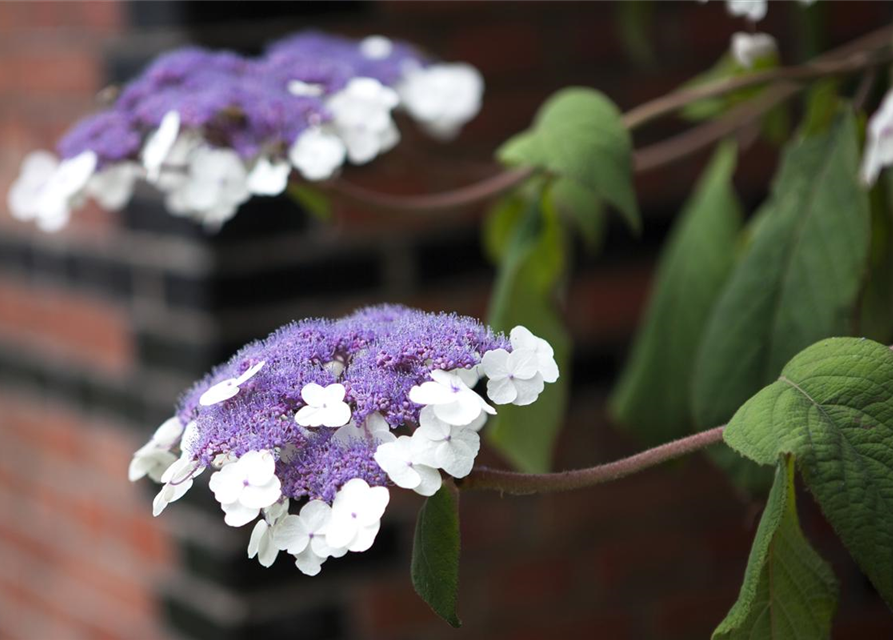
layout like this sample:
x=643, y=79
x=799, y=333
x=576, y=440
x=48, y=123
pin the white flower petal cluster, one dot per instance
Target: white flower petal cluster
x=753, y=10
x=317, y=153
x=263, y=537
x=361, y=117
x=325, y=406
x=747, y=48
x=246, y=486
x=444, y=446
x=304, y=537
x=404, y=469
x=154, y=457
x=47, y=190
x=518, y=377
x=177, y=480
x=454, y=401
x=226, y=389
x=442, y=97
x=268, y=177
x=879, y=142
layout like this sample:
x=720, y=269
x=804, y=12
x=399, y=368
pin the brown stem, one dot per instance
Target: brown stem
x=526, y=483
x=862, y=53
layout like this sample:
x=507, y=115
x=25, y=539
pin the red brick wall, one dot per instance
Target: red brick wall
x=103, y=325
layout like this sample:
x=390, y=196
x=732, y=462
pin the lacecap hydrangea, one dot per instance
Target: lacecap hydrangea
x=307, y=430
x=211, y=129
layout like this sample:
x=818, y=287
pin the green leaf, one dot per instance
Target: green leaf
x=633, y=22
x=653, y=395
x=524, y=293
x=832, y=409
x=579, y=134
x=435, y=554
x=500, y=224
x=314, y=201
x=798, y=280
x=789, y=592
x=876, y=313
x=580, y=206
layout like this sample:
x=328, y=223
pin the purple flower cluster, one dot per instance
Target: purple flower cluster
x=238, y=102
x=385, y=351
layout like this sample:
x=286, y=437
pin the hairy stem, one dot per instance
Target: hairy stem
x=863, y=53
x=526, y=483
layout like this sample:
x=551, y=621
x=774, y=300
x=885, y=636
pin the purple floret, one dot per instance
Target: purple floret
x=386, y=350
x=112, y=135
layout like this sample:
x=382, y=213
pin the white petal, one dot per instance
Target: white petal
x=528, y=390
x=364, y=538
x=310, y=416
x=250, y=372
x=460, y=412
x=308, y=562
x=495, y=364
x=291, y=534
x=334, y=393
x=373, y=506
x=337, y=415
x=238, y=515
x=317, y=154
x=313, y=394
x=259, y=531
x=376, y=47
x=305, y=89
x=523, y=363
x=267, y=552
x=258, y=497
x=258, y=467
x=430, y=393
x=456, y=458
x=430, y=480
x=268, y=178
x=220, y=392
x=342, y=529
x=169, y=432
x=316, y=515
x=501, y=390
x=227, y=484
x=424, y=450
x=159, y=144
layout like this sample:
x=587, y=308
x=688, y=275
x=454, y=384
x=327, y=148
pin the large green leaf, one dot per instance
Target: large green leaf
x=653, y=395
x=435, y=554
x=579, y=134
x=789, y=592
x=798, y=280
x=832, y=408
x=524, y=293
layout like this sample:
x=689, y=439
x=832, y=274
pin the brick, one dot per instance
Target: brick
x=87, y=330
x=48, y=72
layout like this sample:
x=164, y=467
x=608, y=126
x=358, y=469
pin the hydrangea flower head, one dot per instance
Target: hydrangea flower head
x=310, y=416
x=212, y=128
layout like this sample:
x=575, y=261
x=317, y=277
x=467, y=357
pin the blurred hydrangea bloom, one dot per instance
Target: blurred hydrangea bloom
x=211, y=129
x=307, y=417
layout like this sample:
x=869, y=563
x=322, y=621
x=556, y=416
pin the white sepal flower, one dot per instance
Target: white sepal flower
x=63, y=190
x=325, y=406
x=454, y=402
x=356, y=515
x=376, y=47
x=37, y=169
x=444, y=446
x=159, y=144
x=226, y=389
x=361, y=116
x=112, y=187
x=268, y=177
x=154, y=457
x=261, y=543
x=216, y=184
x=303, y=536
x=442, y=97
x=397, y=461
x=753, y=10
x=513, y=377
x=879, y=142
x=522, y=339
x=747, y=48
x=317, y=154
x=305, y=89
x=177, y=481
x=246, y=486
x=376, y=429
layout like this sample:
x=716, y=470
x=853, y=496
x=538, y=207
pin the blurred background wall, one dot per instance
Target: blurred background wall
x=105, y=323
